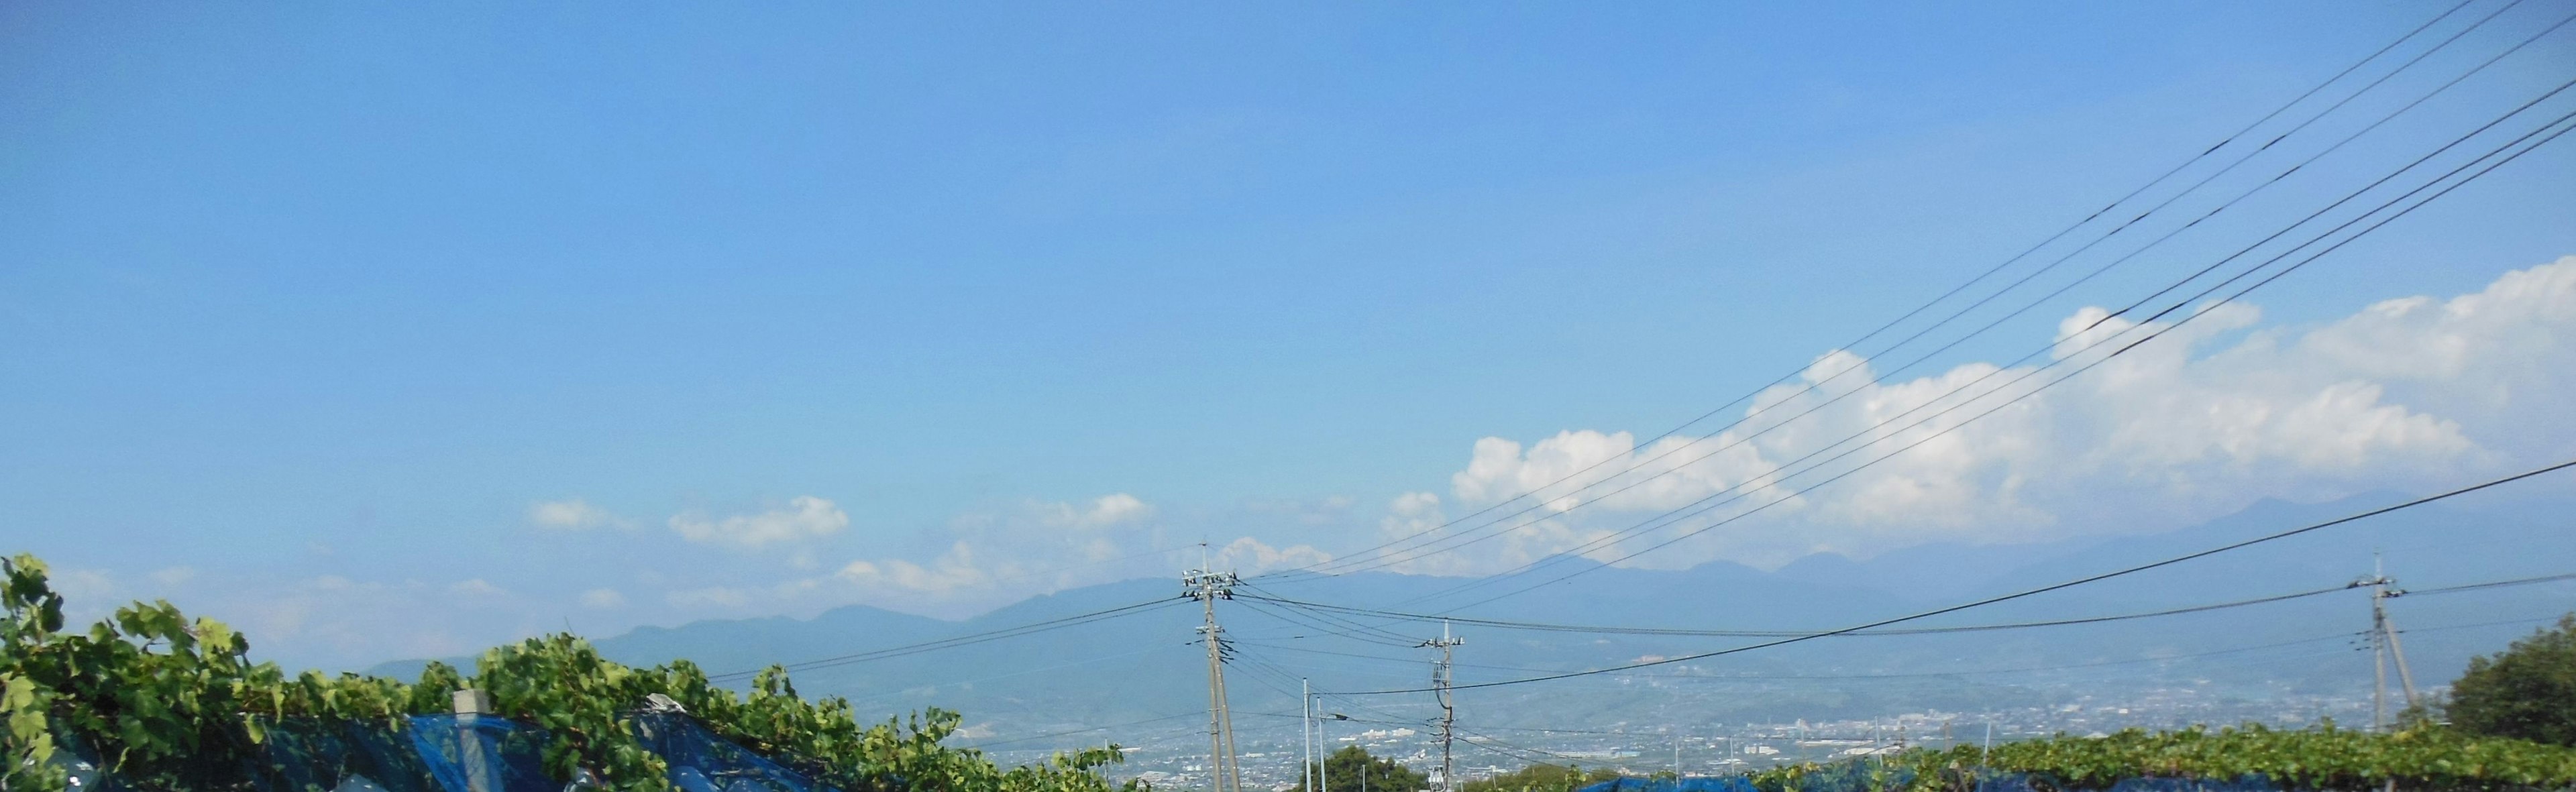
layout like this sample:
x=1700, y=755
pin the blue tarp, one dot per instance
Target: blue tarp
x=1708, y=784
x=702, y=762
x=445, y=753
x=507, y=755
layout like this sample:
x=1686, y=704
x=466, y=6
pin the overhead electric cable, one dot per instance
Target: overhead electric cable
x=1969, y=628
x=2046, y=348
x=1611, y=630
x=1461, y=540
x=2496, y=584
x=1312, y=568
x=2024, y=593
x=2480, y=624
x=1771, y=481
x=1351, y=629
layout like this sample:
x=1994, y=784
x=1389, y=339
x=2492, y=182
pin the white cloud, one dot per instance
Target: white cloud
x=1105, y=511
x=572, y=515
x=806, y=517
x=1250, y=556
x=953, y=570
x=2190, y=426
x=1001, y=556
x=602, y=599
x=1031, y=548
x=173, y=576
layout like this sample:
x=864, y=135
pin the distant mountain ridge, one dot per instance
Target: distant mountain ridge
x=1149, y=663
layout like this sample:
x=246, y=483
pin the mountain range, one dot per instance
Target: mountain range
x=1148, y=664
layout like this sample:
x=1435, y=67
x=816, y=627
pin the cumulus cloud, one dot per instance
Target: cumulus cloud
x=993, y=557
x=1036, y=546
x=572, y=515
x=1105, y=511
x=955, y=569
x=806, y=517
x=2214, y=414
x=1250, y=556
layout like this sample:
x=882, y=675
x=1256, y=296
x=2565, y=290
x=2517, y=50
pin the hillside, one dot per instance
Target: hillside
x=1149, y=664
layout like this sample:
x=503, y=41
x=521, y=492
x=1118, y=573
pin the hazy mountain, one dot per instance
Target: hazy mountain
x=1149, y=664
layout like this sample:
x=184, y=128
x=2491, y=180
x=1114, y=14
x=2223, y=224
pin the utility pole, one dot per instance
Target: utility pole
x=1306, y=705
x=1207, y=587
x=2384, y=646
x=1448, y=708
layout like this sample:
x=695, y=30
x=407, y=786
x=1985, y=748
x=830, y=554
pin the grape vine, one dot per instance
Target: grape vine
x=2424, y=756
x=171, y=703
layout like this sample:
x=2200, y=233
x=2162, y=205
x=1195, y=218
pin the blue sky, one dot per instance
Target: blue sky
x=348, y=294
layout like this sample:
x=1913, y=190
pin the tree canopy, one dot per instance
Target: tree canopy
x=2528, y=691
x=1541, y=778
x=1352, y=769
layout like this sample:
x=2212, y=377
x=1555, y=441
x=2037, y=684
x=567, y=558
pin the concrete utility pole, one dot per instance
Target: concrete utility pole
x=481, y=775
x=1448, y=708
x=1306, y=710
x=1224, y=774
x=2384, y=646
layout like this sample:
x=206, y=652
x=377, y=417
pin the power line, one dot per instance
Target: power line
x=2028, y=592
x=1695, y=508
x=1775, y=480
x=2194, y=609
x=2312, y=91
x=1614, y=630
x=2476, y=586
x=1715, y=678
x=1355, y=630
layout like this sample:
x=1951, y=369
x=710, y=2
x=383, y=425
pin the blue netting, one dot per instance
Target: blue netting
x=1709, y=784
x=308, y=755
x=80, y=764
x=507, y=755
x=702, y=762
x=444, y=753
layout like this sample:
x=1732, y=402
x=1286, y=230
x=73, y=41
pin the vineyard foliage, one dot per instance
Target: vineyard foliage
x=169, y=703
x=2423, y=757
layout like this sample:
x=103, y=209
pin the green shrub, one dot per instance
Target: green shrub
x=2528, y=691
